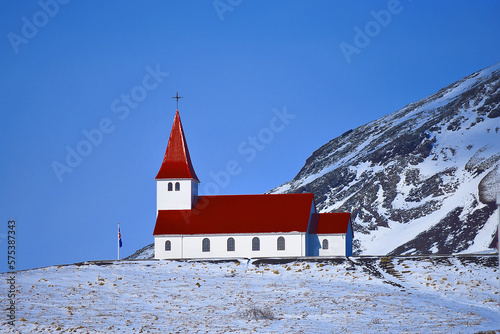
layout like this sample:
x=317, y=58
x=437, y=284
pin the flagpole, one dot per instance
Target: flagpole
x=118, y=241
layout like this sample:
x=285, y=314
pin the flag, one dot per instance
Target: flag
x=119, y=236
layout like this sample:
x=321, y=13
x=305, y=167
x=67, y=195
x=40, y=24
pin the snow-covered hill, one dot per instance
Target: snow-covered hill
x=420, y=180
x=357, y=295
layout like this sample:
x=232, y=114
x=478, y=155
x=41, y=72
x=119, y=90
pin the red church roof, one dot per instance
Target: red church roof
x=330, y=223
x=229, y=214
x=177, y=162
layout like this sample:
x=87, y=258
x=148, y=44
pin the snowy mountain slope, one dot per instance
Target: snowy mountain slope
x=420, y=180
x=356, y=295
x=146, y=252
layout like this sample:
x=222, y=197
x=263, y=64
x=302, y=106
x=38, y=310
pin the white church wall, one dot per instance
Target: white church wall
x=175, y=247
x=181, y=199
x=336, y=244
x=303, y=249
x=191, y=246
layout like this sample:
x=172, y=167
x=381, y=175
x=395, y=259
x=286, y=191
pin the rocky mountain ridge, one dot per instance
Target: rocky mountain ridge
x=420, y=180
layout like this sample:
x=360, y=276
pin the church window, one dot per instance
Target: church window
x=281, y=243
x=256, y=244
x=170, y=186
x=177, y=186
x=325, y=244
x=230, y=244
x=205, y=247
x=168, y=245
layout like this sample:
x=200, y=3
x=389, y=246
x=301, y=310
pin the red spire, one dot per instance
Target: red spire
x=177, y=162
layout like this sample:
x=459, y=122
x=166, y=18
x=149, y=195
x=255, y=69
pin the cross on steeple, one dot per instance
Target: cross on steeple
x=177, y=97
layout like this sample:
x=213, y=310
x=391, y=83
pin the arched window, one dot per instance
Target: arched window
x=168, y=245
x=281, y=243
x=170, y=186
x=177, y=186
x=230, y=245
x=325, y=244
x=256, y=244
x=205, y=247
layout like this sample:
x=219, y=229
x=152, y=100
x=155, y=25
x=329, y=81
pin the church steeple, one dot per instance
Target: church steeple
x=176, y=182
x=177, y=161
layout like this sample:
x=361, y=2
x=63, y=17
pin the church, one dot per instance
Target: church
x=189, y=226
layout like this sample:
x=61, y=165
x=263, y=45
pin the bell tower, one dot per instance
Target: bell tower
x=176, y=182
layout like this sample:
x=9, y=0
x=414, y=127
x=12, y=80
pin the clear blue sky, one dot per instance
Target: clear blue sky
x=68, y=69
